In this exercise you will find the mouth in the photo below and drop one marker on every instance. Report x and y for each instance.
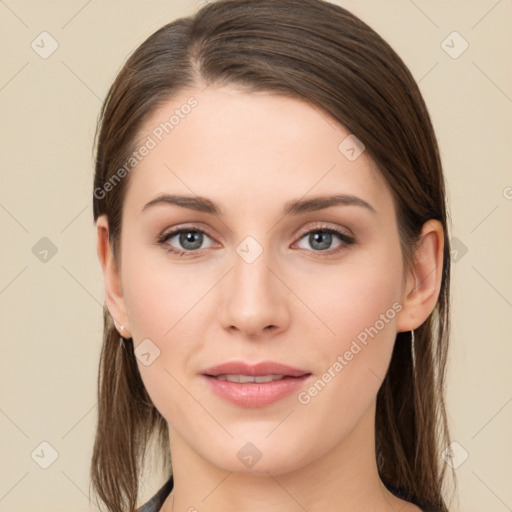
(263, 369)
(257, 385)
(249, 378)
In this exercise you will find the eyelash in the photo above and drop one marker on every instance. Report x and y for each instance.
(162, 240)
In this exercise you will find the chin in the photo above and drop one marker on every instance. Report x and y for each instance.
(260, 457)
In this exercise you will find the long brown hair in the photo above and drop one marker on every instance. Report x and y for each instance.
(319, 52)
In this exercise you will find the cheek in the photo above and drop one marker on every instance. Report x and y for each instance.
(357, 294)
(162, 302)
(159, 295)
(160, 310)
(352, 360)
(358, 310)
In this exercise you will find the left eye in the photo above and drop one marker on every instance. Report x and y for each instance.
(321, 239)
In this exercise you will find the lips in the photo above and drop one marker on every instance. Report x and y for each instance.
(257, 385)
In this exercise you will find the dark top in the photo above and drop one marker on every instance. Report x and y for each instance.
(156, 502)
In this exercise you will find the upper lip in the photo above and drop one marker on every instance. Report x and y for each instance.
(254, 370)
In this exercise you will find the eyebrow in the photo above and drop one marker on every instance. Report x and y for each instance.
(294, 207)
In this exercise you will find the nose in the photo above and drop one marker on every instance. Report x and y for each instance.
(255, 299)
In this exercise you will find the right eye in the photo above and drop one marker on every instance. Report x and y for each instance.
(188, 238)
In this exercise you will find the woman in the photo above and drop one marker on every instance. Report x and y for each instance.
(272, 228)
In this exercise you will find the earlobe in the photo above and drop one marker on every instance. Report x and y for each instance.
(422, 288)
(112, 278)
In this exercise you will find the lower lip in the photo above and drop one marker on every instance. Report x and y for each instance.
(255, 394)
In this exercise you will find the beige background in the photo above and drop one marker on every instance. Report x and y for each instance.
(51, 311)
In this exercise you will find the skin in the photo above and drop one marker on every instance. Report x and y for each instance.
(296, 303)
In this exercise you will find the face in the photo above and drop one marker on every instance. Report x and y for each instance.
(261, 279)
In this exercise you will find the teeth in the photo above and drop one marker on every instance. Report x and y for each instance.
(249, 378)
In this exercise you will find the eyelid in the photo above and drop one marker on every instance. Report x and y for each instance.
(199, 227)
(168, 233)
(326, 226)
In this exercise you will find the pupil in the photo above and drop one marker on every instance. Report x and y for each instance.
(319, 236)
(190, 237)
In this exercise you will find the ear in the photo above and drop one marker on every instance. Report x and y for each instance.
(112, 278)
(423, 284)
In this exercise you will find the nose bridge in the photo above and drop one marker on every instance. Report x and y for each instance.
(255, 299)
(252, 276)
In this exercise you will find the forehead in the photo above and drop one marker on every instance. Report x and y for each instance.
(255, 148)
